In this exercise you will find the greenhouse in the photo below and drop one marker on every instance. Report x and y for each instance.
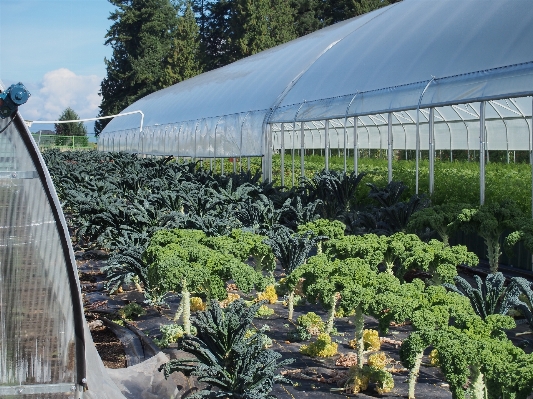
(411, 76)
(46, 349)
(42, 347)
(418, 75)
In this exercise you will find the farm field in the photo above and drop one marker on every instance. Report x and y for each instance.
(353, 295)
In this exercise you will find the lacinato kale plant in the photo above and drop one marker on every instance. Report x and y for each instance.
(231, 363)
(291, 251)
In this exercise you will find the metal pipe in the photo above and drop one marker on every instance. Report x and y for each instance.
(98, 118)
(345, 142)
(282, 158)
(302, 144)
(482, 146)
(354, 134)
(355, 145)
(431, 150)
(326, 145)
(267, 151)
(302, 149)
(417, 151)
(292, 151)
(195, 134)
(389, 145)
(215, 148)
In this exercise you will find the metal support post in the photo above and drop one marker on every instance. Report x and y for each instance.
(389, 145)
(417, 149)
(482, 147)
(417, 152)
(326, 143)
(531, 154)
(282, 160)
(355, 146)
(293, 150)
(531, 163)
(302, 149)
(431, 150)
(345, 142)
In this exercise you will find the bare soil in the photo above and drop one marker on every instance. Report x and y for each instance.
(109, 347)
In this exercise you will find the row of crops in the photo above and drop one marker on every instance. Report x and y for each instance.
(456, 181)
(355, 245)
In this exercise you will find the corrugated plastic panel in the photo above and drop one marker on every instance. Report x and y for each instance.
(39, 345)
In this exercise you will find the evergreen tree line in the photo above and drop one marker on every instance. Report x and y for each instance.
(158, 43)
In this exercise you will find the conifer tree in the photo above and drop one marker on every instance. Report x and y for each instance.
(184, 60)
(306, 16)
(141, 36)
(261, 24)
(235, 29)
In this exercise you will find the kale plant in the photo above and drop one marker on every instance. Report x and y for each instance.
(236, 365)
(488, 297)
(335, 190)
(291, 250)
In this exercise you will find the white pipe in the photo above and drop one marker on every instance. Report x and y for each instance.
(98, 118)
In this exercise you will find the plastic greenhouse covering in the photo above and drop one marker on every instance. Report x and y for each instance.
(41, 320)
(46, 348)
(42, 329)
(405, 59)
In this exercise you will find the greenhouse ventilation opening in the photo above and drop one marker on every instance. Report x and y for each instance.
(46, 350)
(416, 75)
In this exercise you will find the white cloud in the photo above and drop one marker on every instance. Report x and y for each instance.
(60, 89)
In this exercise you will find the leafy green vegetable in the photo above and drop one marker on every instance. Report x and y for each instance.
(227, 357)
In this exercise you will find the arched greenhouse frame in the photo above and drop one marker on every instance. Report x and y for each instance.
(416, 75)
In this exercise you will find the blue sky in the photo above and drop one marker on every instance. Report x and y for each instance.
(56, 48)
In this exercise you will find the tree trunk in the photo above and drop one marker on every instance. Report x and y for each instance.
(413, 374)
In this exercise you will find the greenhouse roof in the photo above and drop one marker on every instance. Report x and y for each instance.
(411, 53)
